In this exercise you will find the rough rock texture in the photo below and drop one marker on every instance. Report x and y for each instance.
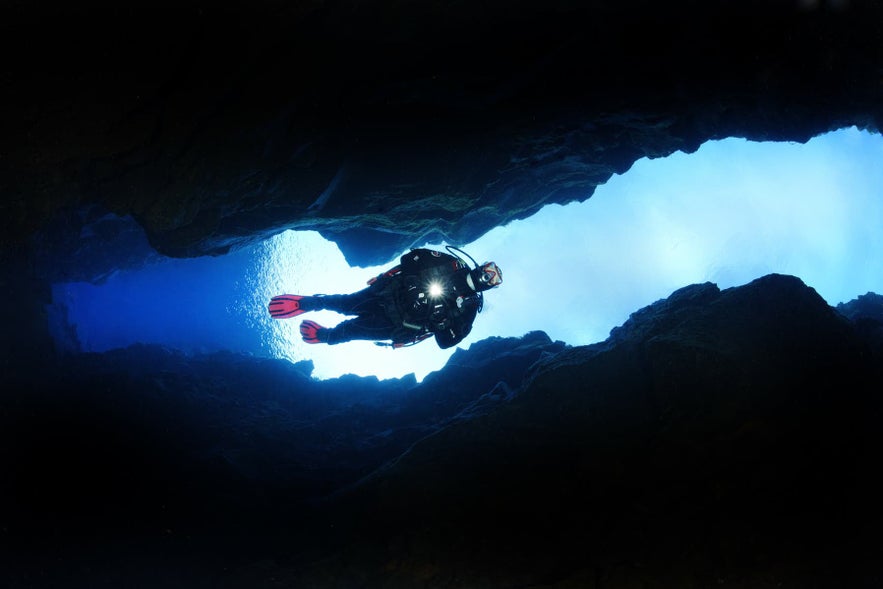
(385, 124)
(716, 438)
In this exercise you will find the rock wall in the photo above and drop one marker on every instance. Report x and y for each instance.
(386, 124)
(717, 437)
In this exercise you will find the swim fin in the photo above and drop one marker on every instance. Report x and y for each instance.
(286, 306)
(313, 333)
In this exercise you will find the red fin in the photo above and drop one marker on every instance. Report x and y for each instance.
(285, 306)
(310, 331)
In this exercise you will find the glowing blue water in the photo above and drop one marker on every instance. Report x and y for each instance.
(729, 213)
(195, 305)
(210, 304)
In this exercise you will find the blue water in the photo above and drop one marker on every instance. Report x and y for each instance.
(729, 213)
(195, 305)
(211, 304)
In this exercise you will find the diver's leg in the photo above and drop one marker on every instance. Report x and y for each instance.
(346, 304)
(363, 327)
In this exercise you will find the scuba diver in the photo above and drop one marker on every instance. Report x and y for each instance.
(430, 293)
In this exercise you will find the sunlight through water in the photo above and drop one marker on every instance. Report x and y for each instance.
(731, 212)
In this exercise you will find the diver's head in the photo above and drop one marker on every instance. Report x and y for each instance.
(485, 277)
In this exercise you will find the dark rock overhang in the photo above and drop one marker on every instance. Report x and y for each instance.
(383, 125)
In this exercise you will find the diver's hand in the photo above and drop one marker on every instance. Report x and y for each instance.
(416, 297)
(438, 319)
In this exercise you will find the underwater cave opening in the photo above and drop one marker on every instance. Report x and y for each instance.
(731, 212)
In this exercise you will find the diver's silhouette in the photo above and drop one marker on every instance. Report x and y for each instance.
(428, 293)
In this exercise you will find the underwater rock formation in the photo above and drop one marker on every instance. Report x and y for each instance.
(716, 436)
(386, 125)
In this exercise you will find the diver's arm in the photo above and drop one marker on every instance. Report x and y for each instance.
(452, 330)
(449, 338)
(381, 279)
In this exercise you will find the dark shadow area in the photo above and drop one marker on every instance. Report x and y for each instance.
(718, 437)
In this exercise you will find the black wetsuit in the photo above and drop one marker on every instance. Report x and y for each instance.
(400, 305)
